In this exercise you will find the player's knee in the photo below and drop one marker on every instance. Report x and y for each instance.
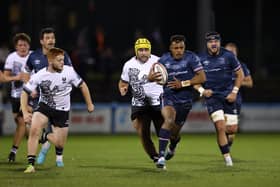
(34, 132)
(169, 121)
(18, 119)
(217, 116)
(231, 129)
(137, 125)
(220, 128)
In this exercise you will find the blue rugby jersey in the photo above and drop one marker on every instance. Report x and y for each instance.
(37, 60)
(219, 71)
(183, 69)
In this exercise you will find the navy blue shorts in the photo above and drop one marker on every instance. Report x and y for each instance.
(218, 103)
(182, 110)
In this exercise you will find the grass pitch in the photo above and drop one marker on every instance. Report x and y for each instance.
(119, 161)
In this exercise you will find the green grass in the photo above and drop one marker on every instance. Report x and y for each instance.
(119, 161)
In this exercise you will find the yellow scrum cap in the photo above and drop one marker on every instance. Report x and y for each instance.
(142, 43)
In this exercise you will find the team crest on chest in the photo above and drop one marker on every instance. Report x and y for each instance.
(63, 80)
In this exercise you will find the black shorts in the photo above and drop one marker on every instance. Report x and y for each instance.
(153, 111)
(15, 104)
(57, 118)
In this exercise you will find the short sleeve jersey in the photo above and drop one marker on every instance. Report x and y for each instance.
(183, 69)
(55, 87)
(136, 74)
(219, 71)
(15, 64)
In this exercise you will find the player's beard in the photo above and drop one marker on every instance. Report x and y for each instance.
(143, 58)
(214, 50)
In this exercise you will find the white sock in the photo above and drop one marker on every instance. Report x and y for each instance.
(59, 157)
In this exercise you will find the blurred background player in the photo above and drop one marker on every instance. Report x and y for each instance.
(231, 130)
(37, 61)
(55, 83)
(145, 103)
(13, 70)
(220, 90)
(184, 69)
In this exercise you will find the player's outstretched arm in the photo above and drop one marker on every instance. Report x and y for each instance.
(87, 97)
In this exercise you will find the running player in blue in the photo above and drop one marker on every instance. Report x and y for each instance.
(184, 70)
(231, 129)
(220, 90)
(37, 61)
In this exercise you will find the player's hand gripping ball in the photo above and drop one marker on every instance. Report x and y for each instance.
(162, 70)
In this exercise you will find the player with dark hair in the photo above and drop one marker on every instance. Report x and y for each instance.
(231, 129)
(220, 90)
(145, 103)
(37, 61)
(13, 69)
(184, 70)
(55, 83)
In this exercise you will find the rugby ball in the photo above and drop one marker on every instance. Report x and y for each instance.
(158, 67)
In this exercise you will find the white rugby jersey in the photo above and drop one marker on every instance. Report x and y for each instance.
(54, 87)
(16, 64)
(136, 74)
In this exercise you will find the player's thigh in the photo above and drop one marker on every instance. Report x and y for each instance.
(140, 117)
(182, 112)
(39, 120)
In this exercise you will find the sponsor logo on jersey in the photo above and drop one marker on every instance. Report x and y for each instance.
(37, 61)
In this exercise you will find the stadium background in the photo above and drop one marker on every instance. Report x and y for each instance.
(99, 36)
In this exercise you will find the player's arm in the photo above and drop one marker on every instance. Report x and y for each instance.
(123, 87)
(154, 76)
(25, 77)
(2, 77)
(202, 91)
(247, 82)
(86, 94)
(8, 77)
(24, 107)
(198, 78)
(239, 78)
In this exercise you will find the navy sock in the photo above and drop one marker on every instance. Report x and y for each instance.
(224, 149)
(173, 143)
(164, 136)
